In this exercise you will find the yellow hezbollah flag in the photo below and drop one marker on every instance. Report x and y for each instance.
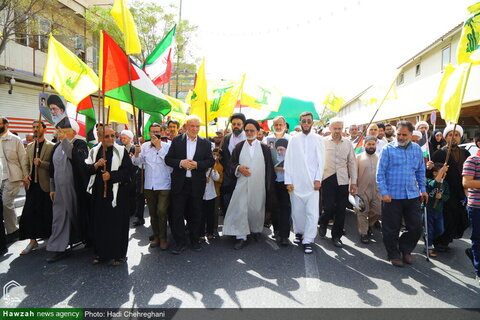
(261, 97)
(332, 102)
(69, 75)
(224, 98)
(117, 110)
(469, 44)
(199, 99)
(451, 90)
(179, 108)
(124, 20)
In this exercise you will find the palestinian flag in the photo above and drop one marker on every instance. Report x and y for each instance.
(359, 146)
(86, 108)
(116, 80)
(158, 65)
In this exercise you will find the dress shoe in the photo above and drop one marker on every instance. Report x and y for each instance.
(337, 243)
(322, 231)
(298, 238)
(239, 244)
(397, 262)
(57, 256)
(179, 248)
(139, 222)
(364, 238)
(12, 237)
(407, 258)
(284, 241)
(163, 244)
(196, 247)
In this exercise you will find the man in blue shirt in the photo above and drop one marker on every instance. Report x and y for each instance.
(401, 180)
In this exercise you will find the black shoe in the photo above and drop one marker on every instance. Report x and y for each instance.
(337, 243)
(284, 241)
(370, 232)
(298, 238)
(12, 237)
(307, 248)
(179, 248)
(239, 244)
(196, 247)
(364, 238)
(57, 256)
(322, 231)
(139, 222)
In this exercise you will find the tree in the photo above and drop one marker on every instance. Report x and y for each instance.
(20, 19)
(153, 22)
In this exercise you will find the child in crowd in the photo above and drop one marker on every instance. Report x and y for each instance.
(209, 222)
(438, 193)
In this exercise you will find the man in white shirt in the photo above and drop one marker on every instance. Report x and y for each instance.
(157, 184)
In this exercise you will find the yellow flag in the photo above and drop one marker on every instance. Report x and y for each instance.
(468, 47)
(118, 110)
(199, 98)
(333, 102)
(179, 108)
(69, 75)
(123, 17)
(259, 96)
(451, 91)
(385, 89)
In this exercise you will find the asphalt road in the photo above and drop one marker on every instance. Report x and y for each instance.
(261, 275)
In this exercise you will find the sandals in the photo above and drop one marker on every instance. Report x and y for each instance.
(29, 248)
(118, 262)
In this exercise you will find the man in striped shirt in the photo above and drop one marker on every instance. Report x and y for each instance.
(401, 180)
(471, 180)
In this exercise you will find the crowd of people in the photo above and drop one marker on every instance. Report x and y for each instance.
(401, 180)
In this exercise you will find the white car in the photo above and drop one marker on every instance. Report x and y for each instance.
(470, 147)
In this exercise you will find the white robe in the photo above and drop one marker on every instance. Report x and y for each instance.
(304, 163)
(246, 212)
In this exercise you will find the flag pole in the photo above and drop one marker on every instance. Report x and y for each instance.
(37, 144)
(206, 121)
(376, 111)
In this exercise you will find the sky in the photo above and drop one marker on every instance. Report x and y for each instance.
(308, 47)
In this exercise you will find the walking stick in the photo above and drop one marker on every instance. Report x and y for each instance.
(449, 151)
(426, 231)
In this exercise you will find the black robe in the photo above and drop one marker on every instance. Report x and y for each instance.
(111, 225)
(454, 210)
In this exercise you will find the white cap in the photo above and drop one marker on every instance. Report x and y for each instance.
(74, 125)
(450, 128)
(128, 133)
(419, 123)
(417, 133)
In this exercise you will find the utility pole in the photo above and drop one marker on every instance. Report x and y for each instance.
(178, 60)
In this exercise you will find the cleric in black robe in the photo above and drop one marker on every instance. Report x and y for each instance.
(110, 215)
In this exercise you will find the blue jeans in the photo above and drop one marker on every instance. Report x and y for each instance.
(435, 225)
(474, 215)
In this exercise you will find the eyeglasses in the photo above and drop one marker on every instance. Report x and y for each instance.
(109, 136)
(250, 130)
(307, 121)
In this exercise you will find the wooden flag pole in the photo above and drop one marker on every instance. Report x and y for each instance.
(206, 121)
(37, 144)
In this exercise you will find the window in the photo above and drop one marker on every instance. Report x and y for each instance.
(418, 70)
(400, 79)
(445, 56)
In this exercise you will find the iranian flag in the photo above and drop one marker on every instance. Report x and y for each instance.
(158, 65)
(116, 80)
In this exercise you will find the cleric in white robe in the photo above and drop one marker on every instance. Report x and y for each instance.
(253, 167)
(304, 162)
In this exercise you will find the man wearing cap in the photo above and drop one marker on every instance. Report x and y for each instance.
(367, 189)
(68, 190)
(253, 167)
(454, 213)
(416, 136)
(237, 120)
(12, 155)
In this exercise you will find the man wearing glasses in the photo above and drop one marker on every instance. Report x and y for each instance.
(304, 163)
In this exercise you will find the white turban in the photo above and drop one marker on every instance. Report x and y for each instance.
(450, 128)
(419, 123)
(74, 125)
(417, 133)
(128, 133)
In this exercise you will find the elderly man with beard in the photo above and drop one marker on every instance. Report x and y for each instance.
(109, 167)
(354, 135)
(367, 189)
(237, 121)
(454, 213)
(373, 131)
(253, 167)
(401, 180)
(340, 172)
(279, 129)
(304, 166)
